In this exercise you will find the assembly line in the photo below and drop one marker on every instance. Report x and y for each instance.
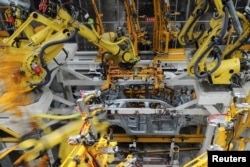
(135, 100)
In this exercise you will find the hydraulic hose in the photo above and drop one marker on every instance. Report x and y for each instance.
(47, 77)
(214, 42)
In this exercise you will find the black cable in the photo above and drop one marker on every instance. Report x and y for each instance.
(59, 64)
(67, 55)
(44, 64)
(17, 40)
(103, 54)
(206, 74)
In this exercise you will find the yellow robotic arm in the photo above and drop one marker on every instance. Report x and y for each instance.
(220, 68)
(245, 20)
(197, 65)
(207, 62)
(187, 35)
(44, 44)
(230, 128)
(234, 59)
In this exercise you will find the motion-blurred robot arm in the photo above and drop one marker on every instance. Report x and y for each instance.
(82, 142)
